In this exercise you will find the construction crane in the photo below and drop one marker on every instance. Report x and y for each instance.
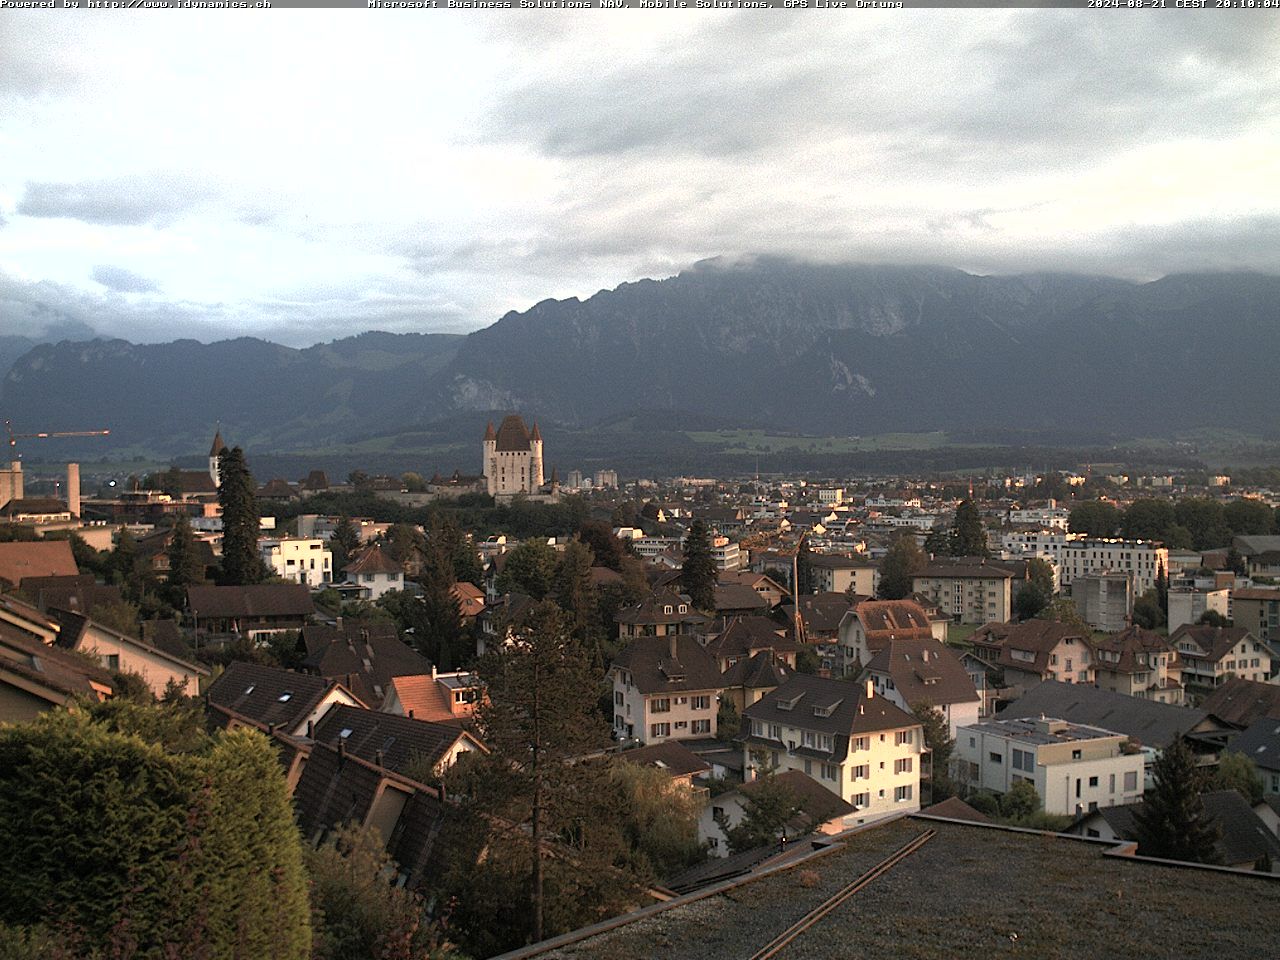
(12, 471)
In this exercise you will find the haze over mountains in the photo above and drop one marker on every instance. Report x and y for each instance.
(776, 344)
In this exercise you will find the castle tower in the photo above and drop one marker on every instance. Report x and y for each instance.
(214, 452)
(488, 448)
(535, 466)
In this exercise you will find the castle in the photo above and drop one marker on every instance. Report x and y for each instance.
(512, 463)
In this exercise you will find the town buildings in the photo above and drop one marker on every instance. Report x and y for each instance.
(664, 688)
(301, 560)
(968, 592)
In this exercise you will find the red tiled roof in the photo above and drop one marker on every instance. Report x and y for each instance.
(513, 435)
(42, 558)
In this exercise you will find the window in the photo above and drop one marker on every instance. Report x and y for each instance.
(810, 738)
(901, 793)
(1076, 754)
(902, 766)
(830, 771)
(660, 730)
(904, 736)
(112, 662)
(1093, 781)
(775, 731)
(862, 772)
(808, 768)
(996, 758)
(617, 697)
(862, 800)
(1131, 780)
(660, 705)
(701, 703)
(701, 726)
(861, 743)
(1111, 784)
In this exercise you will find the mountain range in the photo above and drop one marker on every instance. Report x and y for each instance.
(767, 343)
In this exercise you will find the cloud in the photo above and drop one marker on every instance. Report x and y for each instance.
(122, 280)
(122, 201)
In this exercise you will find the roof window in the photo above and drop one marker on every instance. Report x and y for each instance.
(285, 697)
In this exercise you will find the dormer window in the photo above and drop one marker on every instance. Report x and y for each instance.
(667, 608)
(789, 704)
(684, 608)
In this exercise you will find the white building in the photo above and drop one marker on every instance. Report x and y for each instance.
(1050, 516)
(1076, 555)
(726, 553)
(1104, 599)
(1074, 768)
(375, 573)
(304, 560)
(1189, 604)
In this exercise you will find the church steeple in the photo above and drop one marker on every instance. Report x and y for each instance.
(214, 452)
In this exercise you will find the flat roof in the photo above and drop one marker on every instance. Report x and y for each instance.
(973, 890)
(1027, 730)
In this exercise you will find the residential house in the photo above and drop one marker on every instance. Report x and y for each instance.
(1241, 703)
(748, 680)
(254, 611)
(1260, 742)
(375, 572)
(1139, 663)
(832, 573)
(1261, 555)
(364, 656)
(118, 651)
(743, 637)
(868, 626)
(734, 599)
(305, 560)
(1244, 839)
(415, 748)
(967, 592)
(79, 594)
(772, 591)
(1072, 767)
(35, 677)
(663, 613)
(502, 615)
(820, 615)
(271, 698)
(673, 758)
(982, 675)
(820, 811)
(1212, 655)
(471, 600)
(664, 688)
(911, 672)
(1258, 611)
(856, 744)
(1035, 650)
(438, 697)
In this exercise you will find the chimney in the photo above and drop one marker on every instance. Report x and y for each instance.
(410, 714)
(871, 689)
(675, 655)
(311, 729)
(433, 671)
(73, 488)
(337, 622)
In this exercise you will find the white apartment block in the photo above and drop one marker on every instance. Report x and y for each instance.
(1074, 768)
(1051, 517)
(304, 560)
(1076, 555)
(726, 553)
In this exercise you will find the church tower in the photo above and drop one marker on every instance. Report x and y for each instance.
(214, 451)
(535, 466)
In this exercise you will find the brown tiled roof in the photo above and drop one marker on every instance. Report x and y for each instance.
(883, 620)
(925, 670)
(166, 635)
(831, 561)
(602, 575)
(669, 756)
(817, 803)
(62, 673)
(1128, 644)
(256, 600)
(843, 710)
(77, 593)
(953, 808)
(744, 636)
(268, 695)
(821, 613)
(470, 598)
(1241, 702)
(74, 626)
(1217, 642)
(425, 697)
(513, 435)
(738, 596)
(374, 560)
(1040, 637)
(196, 481)
(1257, 593)
(950, 570)
(35, 506)
(652, 610)
(40, 558)
(763, 671)
(399, 740)
(365, 657)
(653, 670)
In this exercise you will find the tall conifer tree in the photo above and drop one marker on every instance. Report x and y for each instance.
(699, 569)
(237, 495)
(1172, 823)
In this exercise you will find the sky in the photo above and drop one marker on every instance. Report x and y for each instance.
(303, 175)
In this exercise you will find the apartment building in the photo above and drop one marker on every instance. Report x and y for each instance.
(853, 741)
(1076, 555)
(1026, 653)
(664, 688)
(1074, 768)
(1257, 610)
(1139, 663)
(304, 560)
(1104, 599)
(1211, 655)
(835, 574)
(968, 592)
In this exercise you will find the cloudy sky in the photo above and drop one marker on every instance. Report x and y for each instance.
(308, 174)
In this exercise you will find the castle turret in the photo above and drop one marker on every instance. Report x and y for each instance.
(488, 448)
(535, 466)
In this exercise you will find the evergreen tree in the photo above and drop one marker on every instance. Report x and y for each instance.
(968, 538)
(901, 563)
(126, 567)
(531, 789)
(439, 634)
(1172, 823)
(938, 740)
(767, 807)
(529, 568)
(343, 543)
(938, 543)
(605, 547)
(804, 568)
(698, 573)
(185, 566)
(241, 563)
(576, 595)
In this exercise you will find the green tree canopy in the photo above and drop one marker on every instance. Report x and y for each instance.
(1096, 518)
(901, 563)
(766, 809)
(343, 543)
(698, 573)
(185, 566)
(968, 537)
(237, 495)
(529, 568)
(1238, 772)
(1172, 823)
(1147, 519)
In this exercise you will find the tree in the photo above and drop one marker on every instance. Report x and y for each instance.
(241, 563)
(531, 792)
(1172, 823)
(359, 913)
(940, 743)
(576, 595)
(163, 853)
(185, 566)
(768, 805)
(1030, 601)
(1147, 519)
(405, 544)
(1020, 802)
(1147, 612)
(938, 542)
(413, 482)
(1213, 618)
(437, 615)
(1063, 610)
(1238, 772)
(1205, 519)
(605, 547)
(698, 573)
(659, 820)
(804, 569)
(1246, 517)
(343, 543)
(1236, 563)
(529, 568)
(968, 538)
(901, 563)
(127, 568)
(1095, 518)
